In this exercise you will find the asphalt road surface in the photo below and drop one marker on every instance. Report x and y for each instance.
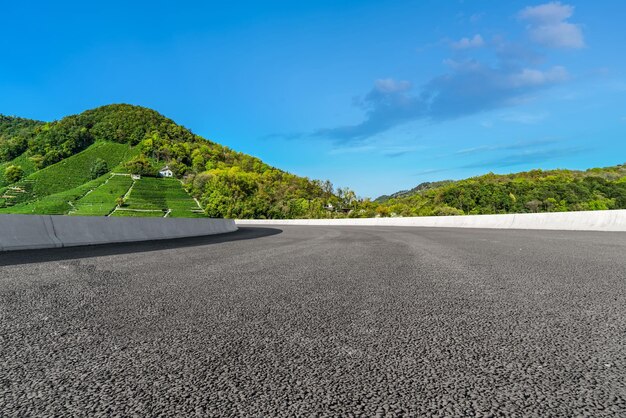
(319, 321)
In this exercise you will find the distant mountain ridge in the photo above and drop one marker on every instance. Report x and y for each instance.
(420, 187)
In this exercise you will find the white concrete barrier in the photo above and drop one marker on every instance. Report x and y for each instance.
(19, 232)
(605, 220)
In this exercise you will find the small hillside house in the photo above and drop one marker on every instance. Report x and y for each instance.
(166, 172)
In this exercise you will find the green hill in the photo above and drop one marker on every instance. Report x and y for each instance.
(82, 165)
(532, 191)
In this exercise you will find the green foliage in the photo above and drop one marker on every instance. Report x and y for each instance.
(15, 134)
(533, 191)
(13, 173)
(140, 165)
(54, 204)
(99, 168)
(65, 175)
(23, 161)
(55, 141)
(228, 183)
(103, 199)
(235, 193)
(74, 171)
(383, 211)
(158, 195)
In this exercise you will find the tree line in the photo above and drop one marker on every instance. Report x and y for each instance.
(236, 185)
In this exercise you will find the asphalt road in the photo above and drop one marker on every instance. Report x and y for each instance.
(319, 321)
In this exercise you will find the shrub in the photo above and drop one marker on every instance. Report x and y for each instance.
(13, 173)
(99, 168)
(140, 165)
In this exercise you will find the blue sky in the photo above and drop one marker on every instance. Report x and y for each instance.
(375, 95)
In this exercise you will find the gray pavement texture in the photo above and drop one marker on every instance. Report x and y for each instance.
(319, 321)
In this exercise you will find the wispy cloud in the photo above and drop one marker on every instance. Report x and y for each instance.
(525, 158)
(524, 118)
(469, 86)
(519, 153)
(521, 145)
(473, 18)
(388, 104)
(431, 171)
(476, 41)
(473, 86)
(287, 135)
(390, 151)
(548, 25)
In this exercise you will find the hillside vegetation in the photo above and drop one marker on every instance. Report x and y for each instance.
(532, 191)
(66, 167)
(82, 165)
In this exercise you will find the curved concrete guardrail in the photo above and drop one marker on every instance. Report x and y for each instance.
(605, 220)
(19, 232)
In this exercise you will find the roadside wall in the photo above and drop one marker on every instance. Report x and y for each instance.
(19, 232)
(606, 220)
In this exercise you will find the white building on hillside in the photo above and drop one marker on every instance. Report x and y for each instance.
(166, 172)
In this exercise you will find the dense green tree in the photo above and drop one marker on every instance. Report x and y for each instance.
(99, 168)
(140, 165)
(13, 173)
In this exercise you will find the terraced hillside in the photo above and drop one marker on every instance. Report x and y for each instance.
(82, 165)
(158, 197)
(66, 188)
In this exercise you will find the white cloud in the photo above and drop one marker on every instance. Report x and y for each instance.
(548, 25)
(389, 85)
(534, 78)
(524, 118)
(554, 12)
(387, 151)
(559, 35)
(467, 43)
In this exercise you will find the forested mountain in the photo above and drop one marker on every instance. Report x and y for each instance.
(82, 165)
